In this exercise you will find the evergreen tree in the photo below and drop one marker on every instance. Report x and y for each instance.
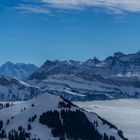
(29, 127)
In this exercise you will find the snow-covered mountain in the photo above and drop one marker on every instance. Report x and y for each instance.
(92, 79)
(19, 70)
(12, 89)
(120, 64)
(76, 88)
(54, 118)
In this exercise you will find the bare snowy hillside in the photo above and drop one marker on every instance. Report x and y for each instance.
(52, 117)
(12, 89)
(73, 88)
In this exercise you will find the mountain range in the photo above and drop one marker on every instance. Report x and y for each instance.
(113, 78)
(19, 70)
(38, 107)
(119, 65)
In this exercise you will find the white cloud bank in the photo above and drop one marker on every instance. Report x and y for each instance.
(129, 5)
(113, 5)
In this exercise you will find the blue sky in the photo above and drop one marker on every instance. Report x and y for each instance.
(33, 31)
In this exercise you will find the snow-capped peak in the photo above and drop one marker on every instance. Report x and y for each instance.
(19, 70)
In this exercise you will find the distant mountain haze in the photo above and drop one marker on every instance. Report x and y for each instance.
(19, 70)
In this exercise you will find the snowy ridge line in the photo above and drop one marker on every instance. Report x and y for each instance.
(28, 118)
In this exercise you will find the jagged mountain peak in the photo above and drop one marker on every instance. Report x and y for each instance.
(52, 63)
(93, 61)
(111, 78)
(8, 63)
(119, 64)
(138, 52)
(119, 54)
(19, 70)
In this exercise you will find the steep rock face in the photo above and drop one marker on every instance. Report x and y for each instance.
(92, 62)
(19, 70)
(52, 117)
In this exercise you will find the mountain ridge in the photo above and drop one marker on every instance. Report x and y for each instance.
(18, 70)
(111, 78)
(13, 89)
(51, 117)
(119, 64)
(82, 81)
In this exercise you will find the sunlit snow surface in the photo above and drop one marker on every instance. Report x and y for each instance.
(124, 113)
(20, 113)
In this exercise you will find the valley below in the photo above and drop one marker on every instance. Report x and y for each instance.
(124, 113)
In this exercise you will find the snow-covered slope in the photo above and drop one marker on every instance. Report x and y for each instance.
(124, 113)
(52, 117)
(19, 70)
(12, 89)
(75, 88)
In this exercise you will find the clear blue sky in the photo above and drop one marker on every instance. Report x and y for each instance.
(33, 32)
